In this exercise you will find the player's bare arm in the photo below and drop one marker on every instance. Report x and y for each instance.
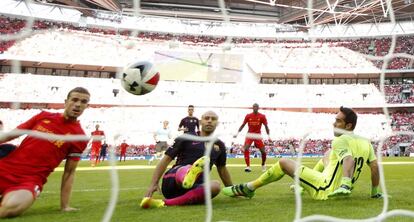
(67, 183)
(159, 170)
(240, 129)
(267, 131)
(348, 166)
(375, 191)
(374, 173)
(224, 175)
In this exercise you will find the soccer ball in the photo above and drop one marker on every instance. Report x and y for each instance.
(140, 78)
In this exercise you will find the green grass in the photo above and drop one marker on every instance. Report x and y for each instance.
(272, 203)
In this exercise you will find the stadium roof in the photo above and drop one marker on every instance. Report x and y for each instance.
(274, 11)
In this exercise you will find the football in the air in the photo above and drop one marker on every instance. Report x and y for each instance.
(140, 78)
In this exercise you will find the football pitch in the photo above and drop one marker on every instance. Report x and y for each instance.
(274, 202)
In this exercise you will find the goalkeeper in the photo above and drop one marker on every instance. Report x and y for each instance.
(334, 175)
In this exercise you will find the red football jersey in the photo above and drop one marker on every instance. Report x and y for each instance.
(97, 143)
(123, 147)
(254, 122)
(35, 158)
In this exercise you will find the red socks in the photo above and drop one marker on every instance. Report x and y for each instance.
(247, 157)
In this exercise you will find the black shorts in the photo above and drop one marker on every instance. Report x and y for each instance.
(170, 188)
(5, 149)
(161, 146)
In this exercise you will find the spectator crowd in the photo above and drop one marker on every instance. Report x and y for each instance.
(368, 46)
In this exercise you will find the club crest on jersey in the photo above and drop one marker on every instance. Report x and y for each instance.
(216, 147)
(342, 153)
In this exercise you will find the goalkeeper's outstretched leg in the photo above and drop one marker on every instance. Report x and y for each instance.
(335, 176)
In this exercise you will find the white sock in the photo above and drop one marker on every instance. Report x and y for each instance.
(250, 186)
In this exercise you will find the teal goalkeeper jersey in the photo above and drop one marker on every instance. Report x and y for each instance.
(361, 151)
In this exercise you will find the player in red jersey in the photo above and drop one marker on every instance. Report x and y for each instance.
(254, 121)
(25, 170)
(123, 148)
(96, 145)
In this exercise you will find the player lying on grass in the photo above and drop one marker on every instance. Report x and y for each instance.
(183, 184)
(334, 175)
(24, 171)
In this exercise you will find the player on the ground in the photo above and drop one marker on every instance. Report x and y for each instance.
(189, 123)
(183, 183)
(161, 137)
(254, 122)
(123, 149)
(96, 145)
(335, 175)
(24, 172)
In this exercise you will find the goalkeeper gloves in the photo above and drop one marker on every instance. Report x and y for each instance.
(344, 189)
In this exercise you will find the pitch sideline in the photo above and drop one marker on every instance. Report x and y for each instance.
(144, 167)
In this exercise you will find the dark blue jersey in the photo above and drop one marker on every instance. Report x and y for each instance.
(187, 152)
(189, 122)
(104, 147)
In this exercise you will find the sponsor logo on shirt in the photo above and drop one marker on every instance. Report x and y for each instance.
(57, 143)
(254, 121)
(42, 129)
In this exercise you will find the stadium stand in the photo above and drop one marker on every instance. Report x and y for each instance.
(98, 43)
(378, 47)
(288, 127)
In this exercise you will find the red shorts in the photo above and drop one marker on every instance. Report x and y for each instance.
(257, 143)
(7, 185)
(95, 151)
